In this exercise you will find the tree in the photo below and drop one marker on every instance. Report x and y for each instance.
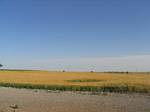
(63, 71)
(1, 65)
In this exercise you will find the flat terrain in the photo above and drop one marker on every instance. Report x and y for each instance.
(132, 82)
(83, 92)
(45, 101)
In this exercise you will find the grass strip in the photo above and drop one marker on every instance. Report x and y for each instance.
(85, 80)
(111, 88)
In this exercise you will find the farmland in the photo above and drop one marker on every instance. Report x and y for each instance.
(77, 81)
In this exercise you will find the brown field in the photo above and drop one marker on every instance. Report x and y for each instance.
(140, 81)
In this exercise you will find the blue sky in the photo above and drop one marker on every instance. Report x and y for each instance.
(33, 32)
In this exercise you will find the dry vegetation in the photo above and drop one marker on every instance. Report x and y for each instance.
(84, 81)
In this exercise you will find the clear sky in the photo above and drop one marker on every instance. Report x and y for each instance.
(75, 34)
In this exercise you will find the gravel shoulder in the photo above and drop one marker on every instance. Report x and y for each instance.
(24, 100)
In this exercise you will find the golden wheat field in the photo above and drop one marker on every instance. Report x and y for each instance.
(140, 80)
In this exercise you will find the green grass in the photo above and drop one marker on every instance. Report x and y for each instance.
(111, 88)
(85, 80)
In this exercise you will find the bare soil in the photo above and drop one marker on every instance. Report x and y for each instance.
(49, 101)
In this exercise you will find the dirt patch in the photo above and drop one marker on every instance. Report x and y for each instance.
(49, 101)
